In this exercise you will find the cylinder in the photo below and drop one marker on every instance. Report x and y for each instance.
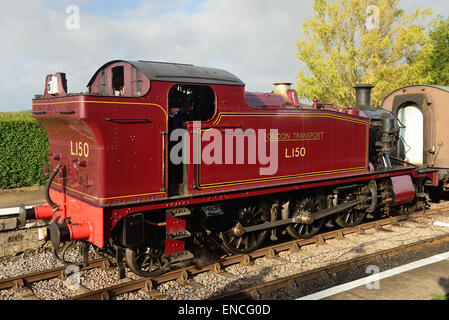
(387, 123)
(363, 95)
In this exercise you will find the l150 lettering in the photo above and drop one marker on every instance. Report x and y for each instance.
(79, 149)
(295, 152)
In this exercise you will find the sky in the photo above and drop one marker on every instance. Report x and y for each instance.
(253, 39)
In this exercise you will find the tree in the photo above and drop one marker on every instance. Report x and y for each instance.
(348, 42)
(438, 63)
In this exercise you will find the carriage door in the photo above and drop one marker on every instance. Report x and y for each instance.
(412, 136)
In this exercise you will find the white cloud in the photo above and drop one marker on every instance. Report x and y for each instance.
(255, 40)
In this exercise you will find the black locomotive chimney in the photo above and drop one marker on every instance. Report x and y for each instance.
(363, 95)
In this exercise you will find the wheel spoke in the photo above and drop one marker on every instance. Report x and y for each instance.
(245, 242)
(145, 261)
(350, 219)
(252, 237)
(246, 216)
(140, 255)
(239, 241)
(306, 205)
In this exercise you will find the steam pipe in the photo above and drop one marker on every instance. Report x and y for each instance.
(47, 188)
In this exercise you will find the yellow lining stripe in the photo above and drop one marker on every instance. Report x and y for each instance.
(128, 196)
(318, 173)
(108, 102)
(291, 114)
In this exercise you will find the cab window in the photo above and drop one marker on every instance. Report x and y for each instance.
(118, 81)
(191, 103)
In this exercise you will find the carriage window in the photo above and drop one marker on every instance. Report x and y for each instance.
(138, 82)
(103, 83)
(412, 136)
(191, 103)
(118, 82)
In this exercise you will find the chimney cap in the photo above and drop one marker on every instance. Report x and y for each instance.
(366, 85)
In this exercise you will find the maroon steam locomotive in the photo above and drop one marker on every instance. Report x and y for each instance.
(160, 158)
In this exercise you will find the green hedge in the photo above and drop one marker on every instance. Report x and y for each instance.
(23, 150)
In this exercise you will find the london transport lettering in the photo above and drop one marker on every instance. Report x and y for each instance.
(295, 136)
(292, 152)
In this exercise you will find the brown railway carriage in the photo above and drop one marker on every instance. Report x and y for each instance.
(254, 163)
(422, 109)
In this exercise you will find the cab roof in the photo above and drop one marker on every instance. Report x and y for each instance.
(178, 72)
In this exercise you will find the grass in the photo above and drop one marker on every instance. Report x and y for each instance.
(439, 296)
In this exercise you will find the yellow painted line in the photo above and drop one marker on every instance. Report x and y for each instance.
(318, 173)
(117, 197)
(50, 103)
(108, 102)
(300, 115)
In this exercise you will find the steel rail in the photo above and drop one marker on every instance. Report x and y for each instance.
(21, 281)
(148, 283)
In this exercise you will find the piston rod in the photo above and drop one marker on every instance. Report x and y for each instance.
(239, 230)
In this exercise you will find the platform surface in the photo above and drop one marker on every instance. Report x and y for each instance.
(27, 196)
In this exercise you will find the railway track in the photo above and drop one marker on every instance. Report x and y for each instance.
(21, 284)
